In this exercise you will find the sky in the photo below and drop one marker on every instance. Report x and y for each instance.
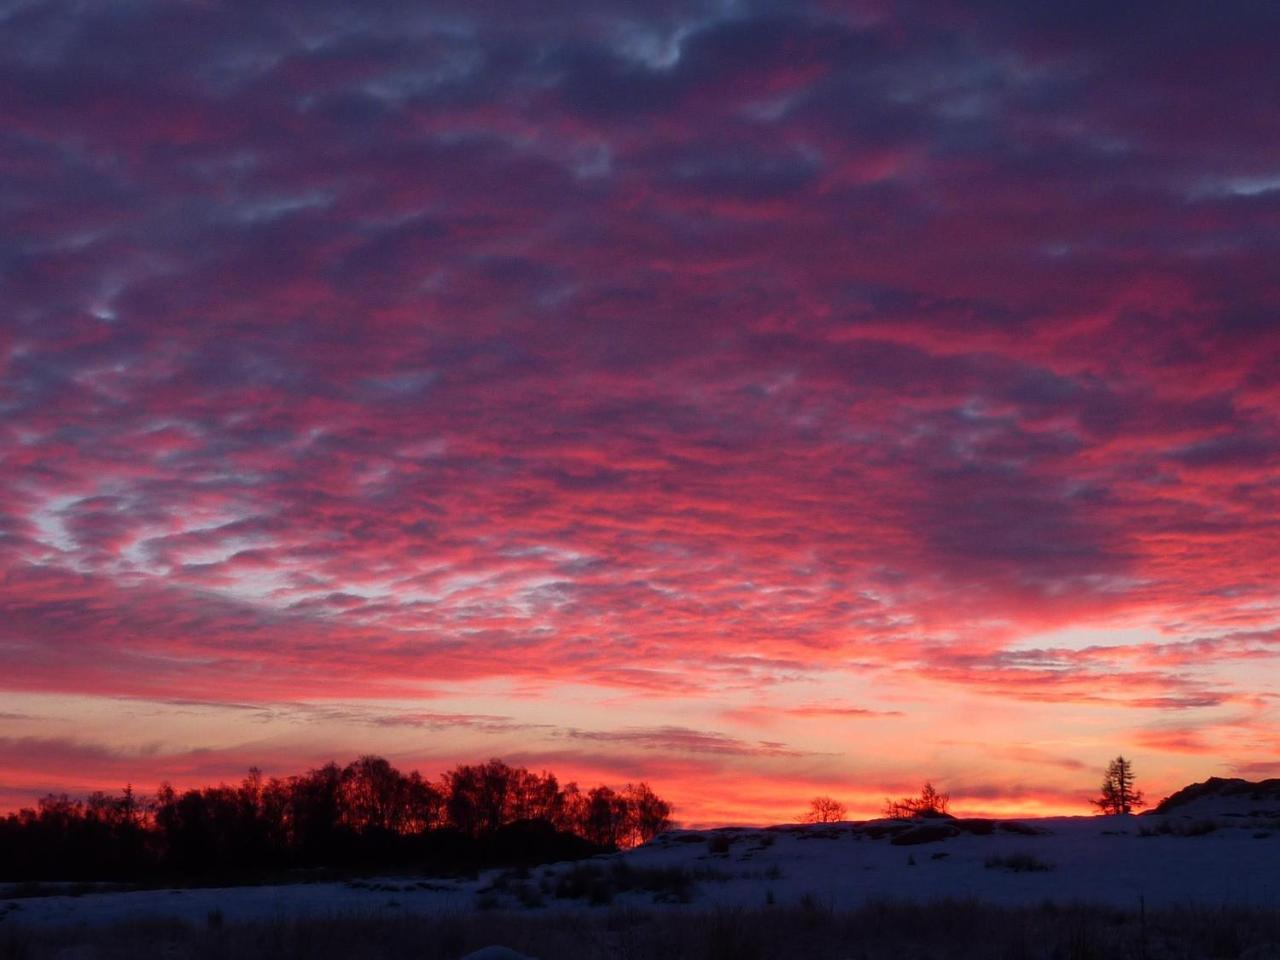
(760, 400)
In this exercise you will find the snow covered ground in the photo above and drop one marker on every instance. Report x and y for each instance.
(1193, 856)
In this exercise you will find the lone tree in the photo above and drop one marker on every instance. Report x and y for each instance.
(824, 810)
(930, 803)
(1118, 794)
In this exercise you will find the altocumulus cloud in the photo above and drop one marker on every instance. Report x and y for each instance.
(668, 350)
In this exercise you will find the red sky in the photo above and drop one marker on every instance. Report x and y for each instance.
(760, 400)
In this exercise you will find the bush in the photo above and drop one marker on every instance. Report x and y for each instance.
(930, 803)
(599, 885)
(1175, 828)
(1018, 863)
(1022, 829)
(824, 810)
(926, 833)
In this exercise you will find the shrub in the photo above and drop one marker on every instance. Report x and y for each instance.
(930, 803)
(824, 810)
(597, 885)
(1198, 828)
(1018, 863)
(1193, 828)
(1022, 829)
(927, 833)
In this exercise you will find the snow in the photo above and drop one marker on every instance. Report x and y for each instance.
(1105, 860)
(1239, 806)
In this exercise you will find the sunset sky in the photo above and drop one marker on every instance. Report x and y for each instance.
(757, 399)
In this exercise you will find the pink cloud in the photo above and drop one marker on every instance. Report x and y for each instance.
(677, 359)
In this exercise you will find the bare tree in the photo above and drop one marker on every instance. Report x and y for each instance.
(930, 803)
(824, 810)
(1118, 794)
(650, 815)
(606, 817)
(366, 814)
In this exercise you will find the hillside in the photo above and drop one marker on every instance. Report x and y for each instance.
(1158, 859)
(1225, 797)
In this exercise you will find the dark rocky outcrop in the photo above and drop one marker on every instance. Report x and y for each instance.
(1263, 792)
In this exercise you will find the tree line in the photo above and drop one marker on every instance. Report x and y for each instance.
(930, 803)
(365, 815)
(1117, 796)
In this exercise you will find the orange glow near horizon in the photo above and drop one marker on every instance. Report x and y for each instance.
(759, 766)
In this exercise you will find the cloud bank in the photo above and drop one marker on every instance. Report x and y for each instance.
(657, 372)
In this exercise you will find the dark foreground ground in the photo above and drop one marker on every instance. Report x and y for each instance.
(953, 930)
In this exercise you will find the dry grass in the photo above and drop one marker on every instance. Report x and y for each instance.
(951, 930)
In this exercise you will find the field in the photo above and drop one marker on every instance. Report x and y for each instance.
(956, 930)
(1185, 885)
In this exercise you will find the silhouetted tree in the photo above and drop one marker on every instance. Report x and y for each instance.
(315, 813)
(532, 797)
(648, 814)
(930, 803)
(1118, 794)
(824, 810)
(374, 795)
(424, 805)
(365, 815)
(478, 796)
(606, 817)
(572, 813)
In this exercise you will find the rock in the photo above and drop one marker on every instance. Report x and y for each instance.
(1262, 791)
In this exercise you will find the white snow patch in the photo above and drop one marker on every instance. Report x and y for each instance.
(1124, 862)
